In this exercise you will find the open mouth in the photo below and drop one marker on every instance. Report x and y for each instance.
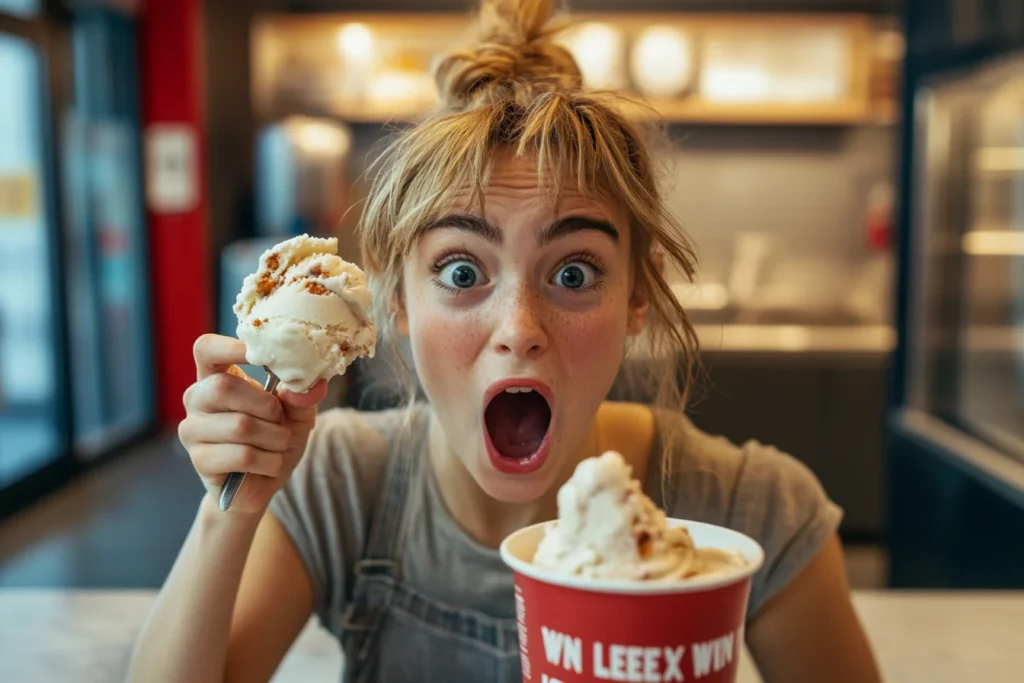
(517, 420)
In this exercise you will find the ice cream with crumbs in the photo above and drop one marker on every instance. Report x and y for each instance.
(305, 313)
(608, 529)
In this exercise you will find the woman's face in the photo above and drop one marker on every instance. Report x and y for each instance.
(518, 318)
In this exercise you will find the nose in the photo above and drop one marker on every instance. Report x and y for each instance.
(519, 329)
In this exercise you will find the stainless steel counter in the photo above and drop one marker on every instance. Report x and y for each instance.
(873, 340)
(51, 636)
(797, 338)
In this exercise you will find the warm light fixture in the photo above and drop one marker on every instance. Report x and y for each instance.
(792, 66)
(736, 83)
(598, 49)
(999, 159)
(317, 137)
(662, 62)
(993, 243)
(355, 41)
(355, 45)
(706, 296)
(401, 87)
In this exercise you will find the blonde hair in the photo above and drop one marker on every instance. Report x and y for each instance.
(516, 89)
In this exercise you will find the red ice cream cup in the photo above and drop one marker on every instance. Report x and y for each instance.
(576, 630)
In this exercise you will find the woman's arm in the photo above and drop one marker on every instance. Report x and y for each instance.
(238, 593)
(809, 632)
(198, 632)
(275, 601)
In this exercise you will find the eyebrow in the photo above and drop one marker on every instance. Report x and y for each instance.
(572, 224)
(476, 225)
(466, 222)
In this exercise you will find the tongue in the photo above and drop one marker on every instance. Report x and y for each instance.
(517, 423)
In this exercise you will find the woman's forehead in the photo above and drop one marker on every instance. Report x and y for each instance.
(515, 184)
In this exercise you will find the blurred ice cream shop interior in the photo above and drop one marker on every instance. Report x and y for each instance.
(851, 172)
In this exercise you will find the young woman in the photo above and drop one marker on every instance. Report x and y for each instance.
(517, 237)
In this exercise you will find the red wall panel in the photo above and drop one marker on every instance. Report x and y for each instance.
(171, 43)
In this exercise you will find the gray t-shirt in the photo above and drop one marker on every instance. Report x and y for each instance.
(328, 503)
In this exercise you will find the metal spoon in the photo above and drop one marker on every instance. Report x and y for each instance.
(235, 479)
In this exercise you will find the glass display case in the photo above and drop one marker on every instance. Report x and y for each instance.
(967, 328)
(30, 407)
(19, 8)
(107, 270)
(955, 432)
(75, 349)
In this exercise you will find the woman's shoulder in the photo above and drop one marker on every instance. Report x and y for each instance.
(356, 444)
(701, 472)
(753, 488)
(697, 464)
(343, 430)
(343, 469)
(628, 428)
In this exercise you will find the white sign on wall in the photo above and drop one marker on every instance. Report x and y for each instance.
(172, 169)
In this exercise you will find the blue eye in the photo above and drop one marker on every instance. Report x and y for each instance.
(460, 275)
(575, 275)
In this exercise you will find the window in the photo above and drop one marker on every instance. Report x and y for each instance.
(29, 434)
(105, 264)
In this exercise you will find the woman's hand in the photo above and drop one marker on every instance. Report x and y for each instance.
(233, 425)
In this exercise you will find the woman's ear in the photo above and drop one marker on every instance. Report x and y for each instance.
(640, 300)
(639, 303)
(398, 310)
(658, 261)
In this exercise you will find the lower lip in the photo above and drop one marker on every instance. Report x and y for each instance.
(514, 465)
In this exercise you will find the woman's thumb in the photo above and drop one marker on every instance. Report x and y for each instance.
(302, 408)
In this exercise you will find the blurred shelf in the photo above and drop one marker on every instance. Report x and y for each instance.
(879, 339)
(655, 111)
(790, 340)
(379, 72)
(766, 113)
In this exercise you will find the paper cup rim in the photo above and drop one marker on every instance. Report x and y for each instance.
(746, 546)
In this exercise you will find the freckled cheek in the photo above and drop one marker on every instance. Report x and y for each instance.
(591, 343)
(446, 344)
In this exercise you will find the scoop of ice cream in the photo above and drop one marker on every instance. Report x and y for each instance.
(305, 313)
(608, 529)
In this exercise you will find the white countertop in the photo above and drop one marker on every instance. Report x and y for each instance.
(86, 637)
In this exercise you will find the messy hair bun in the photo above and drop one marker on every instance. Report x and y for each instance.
(513, 59)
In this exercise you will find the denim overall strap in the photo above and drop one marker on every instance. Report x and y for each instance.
(378, 571)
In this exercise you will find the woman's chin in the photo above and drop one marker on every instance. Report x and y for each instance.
(514, 488)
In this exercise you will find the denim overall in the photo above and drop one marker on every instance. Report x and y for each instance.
(392, 633)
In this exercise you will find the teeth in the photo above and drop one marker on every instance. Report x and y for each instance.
(519, 390)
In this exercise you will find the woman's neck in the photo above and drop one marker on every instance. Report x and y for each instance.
(486, 520)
